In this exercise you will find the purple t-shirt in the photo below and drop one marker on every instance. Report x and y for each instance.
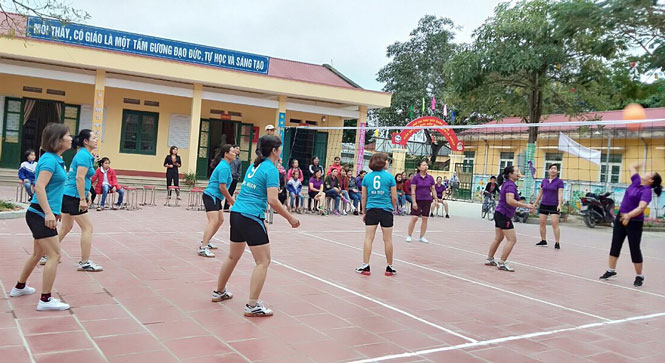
(439, 190)
(551, 191)
(423, 186)
(316, 183)
(635, 194)
(503, 207)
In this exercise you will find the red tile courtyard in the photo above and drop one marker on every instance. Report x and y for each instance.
(152, 301)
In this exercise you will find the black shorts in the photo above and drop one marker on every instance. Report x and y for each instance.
(502, 222)
(212, 204)
(376, 216)
(547, 209)
(423, 210)
(248, 229)
(70, 205)
(36, 224)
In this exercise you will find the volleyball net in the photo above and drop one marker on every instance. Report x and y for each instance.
(591, 156)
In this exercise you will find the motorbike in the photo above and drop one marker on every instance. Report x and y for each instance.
(597, 209)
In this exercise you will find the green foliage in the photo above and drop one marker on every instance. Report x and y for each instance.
(190, 179)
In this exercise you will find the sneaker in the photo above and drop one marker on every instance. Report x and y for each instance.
(42, 261)
(258, 310)
(211, 246)
(355, 212)
(364, 270)
(490, 262)
(556, 246)
(504, 266)
(221, 296)
(52, 304)
(390, 271)
(608, 274)
(343, 212)
(27, 290)
(89, 266)
(447, 216)
(408, 238)
(205, 252)
(542, 243)
(639, 280)
(336, 213)
(423, 240)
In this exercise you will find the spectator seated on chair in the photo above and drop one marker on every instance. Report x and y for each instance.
(354, 191)
(401, 197)
(440, 189)
(344, 186)
(293, 188)
(332, 188)
(26, 173)
(316, 192)
(282, 195)
(107, 182)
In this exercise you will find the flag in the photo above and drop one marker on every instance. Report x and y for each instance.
(452, 116)
(445, 110)
(411, 115)
(571, 146)
(423, 105)
(433, 103)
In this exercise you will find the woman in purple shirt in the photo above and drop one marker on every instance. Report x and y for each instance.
(630, 219)
(424, 195)
(440, 188)
(315, 190)
(550, 197)
(503, 218)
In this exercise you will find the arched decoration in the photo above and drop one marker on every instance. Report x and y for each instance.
(403, 137)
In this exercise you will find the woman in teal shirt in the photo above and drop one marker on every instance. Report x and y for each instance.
(75, 202)
(259, 188)
(42, 216)
(213, 196)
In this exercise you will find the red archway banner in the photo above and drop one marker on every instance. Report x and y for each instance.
(403, 137)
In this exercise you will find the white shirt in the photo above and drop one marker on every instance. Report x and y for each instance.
(106, 177)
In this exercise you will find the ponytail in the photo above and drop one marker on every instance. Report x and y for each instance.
(504, 175)
(79, 140)
(656, 185)
(267, 144)
(220, 155)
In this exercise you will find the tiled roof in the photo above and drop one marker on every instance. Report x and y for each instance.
(306, 72)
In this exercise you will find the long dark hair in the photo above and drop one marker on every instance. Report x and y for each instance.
(656, 185)
(504, 175)
(83, 135)
(218, 158)
(268, 144)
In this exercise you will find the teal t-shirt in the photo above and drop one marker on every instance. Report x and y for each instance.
(84, 159)
(54, 189)
(378, 184)
(252, 200)
(221, 175)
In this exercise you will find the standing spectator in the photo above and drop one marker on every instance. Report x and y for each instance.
(293, 188)
(454, 185)
(401, 197)
(236, 172)
(316, 192)
(282, 194)
(332, 189)
(107, 182)
(172, 163)
(422, 188)
(295, 167)
(359, 183)
(313, 167)
(354, 191)
(551, 192)
(407, 187)
(26, 173)
(336, 165)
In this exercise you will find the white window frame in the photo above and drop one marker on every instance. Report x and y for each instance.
(502, 160)
(552, 161)
(609, 172)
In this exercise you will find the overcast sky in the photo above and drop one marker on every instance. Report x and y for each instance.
(353, 35)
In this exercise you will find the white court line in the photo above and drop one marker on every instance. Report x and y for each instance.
(368, 298)
(508, 339)
(18, 327)
(513, 262)
(470, 280)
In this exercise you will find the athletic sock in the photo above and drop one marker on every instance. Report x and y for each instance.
(46, 297)
(641, 276)
(252, 303)
(610, 270)
(20, 285)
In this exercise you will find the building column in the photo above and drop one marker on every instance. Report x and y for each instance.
(280, 122)
(194, 129)
(359, 154)
(98, 108)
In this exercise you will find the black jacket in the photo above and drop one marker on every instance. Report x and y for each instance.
(169, 161)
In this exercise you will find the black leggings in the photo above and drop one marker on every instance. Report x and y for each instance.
(634, 233)
(172, 179)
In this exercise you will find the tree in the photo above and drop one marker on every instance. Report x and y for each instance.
(416, 71)
(11, 25)
(523, 63)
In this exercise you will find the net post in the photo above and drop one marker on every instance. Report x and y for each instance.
(359, 153)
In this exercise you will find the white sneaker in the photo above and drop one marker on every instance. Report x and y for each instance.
(42, 261)
(343, 212)
(212, 246)
(89, 266)
(423, 240)
(205, 252)
(258, 310)
(52, 304)
(219, 296)
(408, 238)
(490, 262)
(27, 290)
(504, 266)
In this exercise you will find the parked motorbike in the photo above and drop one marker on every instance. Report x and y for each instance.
(597, 209)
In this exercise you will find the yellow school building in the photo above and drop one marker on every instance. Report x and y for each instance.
(143, 94)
